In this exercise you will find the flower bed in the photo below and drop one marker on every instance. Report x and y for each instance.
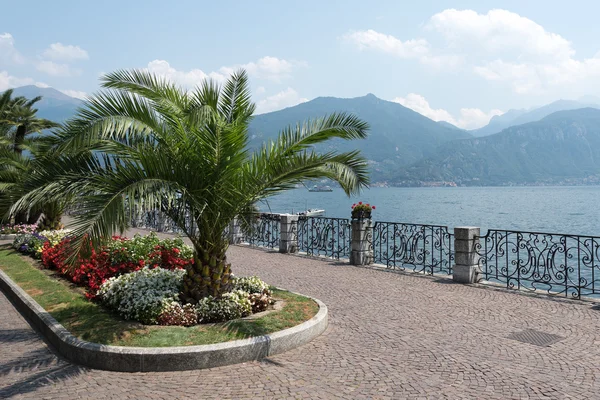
(33, 243)
(90, 320)
(151, 296)
(119, 256)
(141, 278)
(12, 229)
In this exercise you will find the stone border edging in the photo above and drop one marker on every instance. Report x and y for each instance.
(8, 236)
(140, 359)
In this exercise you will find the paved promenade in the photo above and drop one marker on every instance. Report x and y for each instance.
(391, 336)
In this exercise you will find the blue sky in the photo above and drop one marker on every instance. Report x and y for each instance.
(460, 61)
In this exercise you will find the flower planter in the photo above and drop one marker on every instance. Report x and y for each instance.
(361, 215)
(140, 359)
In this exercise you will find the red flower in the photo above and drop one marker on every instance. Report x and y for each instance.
(373, 207)
(360, 202)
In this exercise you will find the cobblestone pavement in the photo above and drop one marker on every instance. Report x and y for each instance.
(391, 336)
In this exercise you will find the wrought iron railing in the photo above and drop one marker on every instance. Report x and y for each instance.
(160, 222)
(420, 248)
(561, 264)
(549, 262)
(261, 230)
(320, 236)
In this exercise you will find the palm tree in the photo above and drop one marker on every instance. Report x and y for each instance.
(18, 121)
(18, 117)
(145, 141)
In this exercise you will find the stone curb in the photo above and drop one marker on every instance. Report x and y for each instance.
(8, 236)
(139, 359)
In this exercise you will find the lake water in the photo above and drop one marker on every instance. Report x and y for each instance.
(571, 210)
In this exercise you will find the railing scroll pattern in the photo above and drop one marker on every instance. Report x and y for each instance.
(262, 230)
(320, 236)
(421, 248)
(559, 264)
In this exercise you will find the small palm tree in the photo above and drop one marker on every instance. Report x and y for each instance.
(18, 120)
(146, 141)
(18, 123)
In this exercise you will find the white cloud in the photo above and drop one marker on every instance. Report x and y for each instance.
(7, 81)
(270, 68)
(286, 98)
(473, 118)
(188, 79)
(418, 49)
(61, 52)
(569, 75)
(510, 48)
(75, 93)
(373, 40)
(418, 103)
(55, 69)
(8, 52)
(499, 31)
(260, 90)
(500, 46)
(470, 118)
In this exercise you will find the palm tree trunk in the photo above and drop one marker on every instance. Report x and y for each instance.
(52, 216)
(209, 275)
(20, 139)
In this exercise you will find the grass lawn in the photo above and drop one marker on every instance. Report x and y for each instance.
(92, 322)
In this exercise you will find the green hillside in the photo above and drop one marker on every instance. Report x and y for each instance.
(398, 136)
(564, 147)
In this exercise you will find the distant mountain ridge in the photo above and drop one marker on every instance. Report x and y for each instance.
(55, 105)
(561, 148)
(399, 136)
(519, 117)
(405, 148)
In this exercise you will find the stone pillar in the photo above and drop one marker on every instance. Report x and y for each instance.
(466, 257)
(361, 250)
(288, 233)
(235, 234)
(160, 221)
(137, 217)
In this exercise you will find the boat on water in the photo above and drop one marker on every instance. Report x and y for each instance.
(317, 188)
(312, 212)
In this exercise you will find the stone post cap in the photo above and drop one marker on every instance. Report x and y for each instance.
(466, 232)
(286, 218)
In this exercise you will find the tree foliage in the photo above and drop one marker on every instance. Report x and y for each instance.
(144, 142)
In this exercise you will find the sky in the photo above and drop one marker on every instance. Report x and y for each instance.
(457, 61)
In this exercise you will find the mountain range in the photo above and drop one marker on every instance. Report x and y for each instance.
(398, 136)
(555, 144)
(519, 117)
(55, 105)
(562, 148)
